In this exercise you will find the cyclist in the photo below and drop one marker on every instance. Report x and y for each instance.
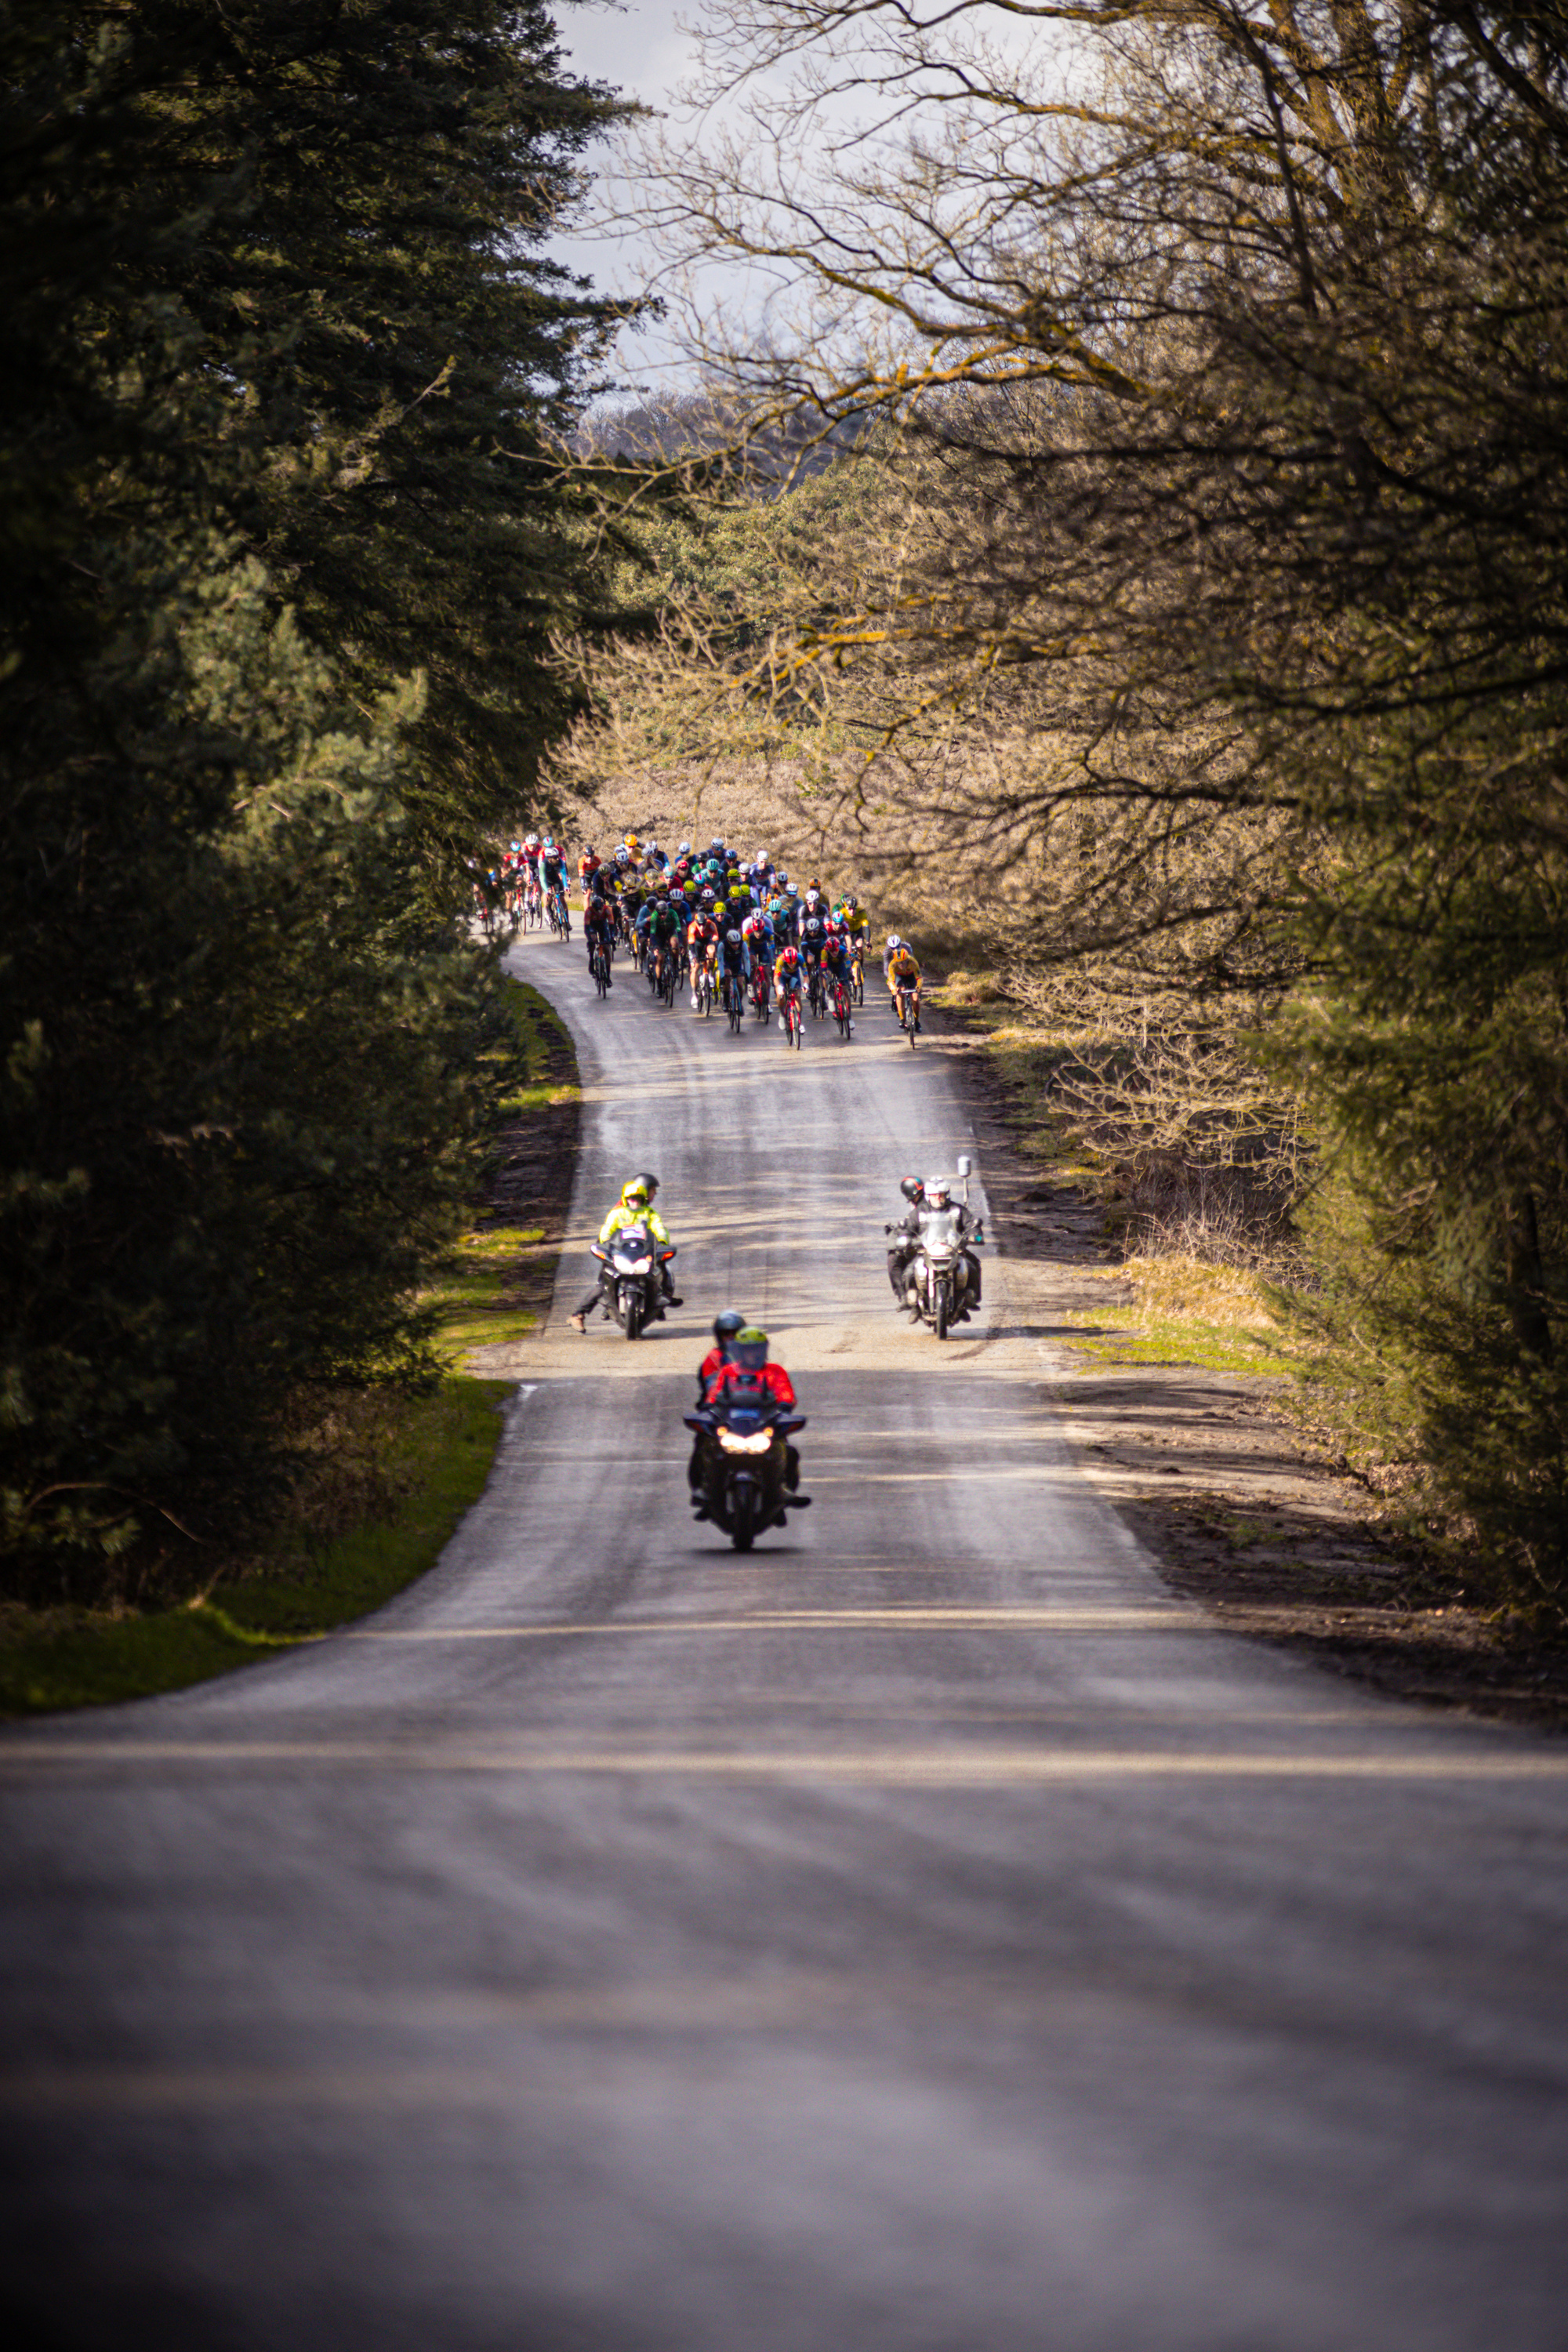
(663, 931)
(903, 972)
(702, 938)
(734, 960)
(837, 964)
(599, 928)
(587, 866)
(634, 1207)
(787, 977)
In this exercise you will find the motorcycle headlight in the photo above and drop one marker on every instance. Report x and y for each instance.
(734, 1441)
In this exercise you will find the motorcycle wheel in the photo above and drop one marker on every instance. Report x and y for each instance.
(633, 1319)
(943, 1296)
(743, 1517)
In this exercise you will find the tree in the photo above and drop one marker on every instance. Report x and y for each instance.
(282, 546)
(1227, 347)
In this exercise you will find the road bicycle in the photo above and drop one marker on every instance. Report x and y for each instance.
(560, 917)
(760, 989)
(599, 965)
(789, 1015)
(734, 995)
(817, 993)
(909, 1014)
(858, 976)
(842, 1010)
(702, 990)
(533, 907)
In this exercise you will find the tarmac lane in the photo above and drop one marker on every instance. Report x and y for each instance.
(922, 1931)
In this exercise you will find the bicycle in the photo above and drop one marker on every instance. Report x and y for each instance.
(817, 993)
(841, 1008)
(909, 1014)
(789, 1015)
(760, 990)
(599, 965)
(556, 909)
(857, 977)
(734, 998)
(703, 989)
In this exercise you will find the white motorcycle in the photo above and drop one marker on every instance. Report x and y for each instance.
(942, 1282)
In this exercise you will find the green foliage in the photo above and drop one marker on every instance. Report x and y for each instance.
(280, 551)
(439, 1460)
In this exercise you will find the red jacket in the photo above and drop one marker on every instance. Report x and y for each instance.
(772, 1377)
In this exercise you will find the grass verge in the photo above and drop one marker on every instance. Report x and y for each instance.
(1216, 1318)
(440, 1458)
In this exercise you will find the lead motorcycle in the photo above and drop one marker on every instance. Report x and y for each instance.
(942, 1283)
(629, 1279)
(746, 1460)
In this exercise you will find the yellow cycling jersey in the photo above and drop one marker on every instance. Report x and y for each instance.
(903, 972)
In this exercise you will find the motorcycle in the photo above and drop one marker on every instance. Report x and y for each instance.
(744, 1483)
(629, 1279)
(944, 1275)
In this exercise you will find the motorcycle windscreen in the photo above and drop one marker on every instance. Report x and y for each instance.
(941, 1229)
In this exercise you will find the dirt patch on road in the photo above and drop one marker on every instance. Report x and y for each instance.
(1208, 1468)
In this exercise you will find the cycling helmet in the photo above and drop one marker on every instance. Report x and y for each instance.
(532, 841)
(726, 1326)
(622, 855)
(683, 849)
(790, 956)
(812, 894)
(705, 898)
(813, 928)
(732, 938)
(894, 941)
(633, 843)
(749, 1348)
(791, 890)
(717, 845)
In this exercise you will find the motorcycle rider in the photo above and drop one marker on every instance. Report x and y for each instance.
(931, 1198)
(746, 1363)
(634, 1207)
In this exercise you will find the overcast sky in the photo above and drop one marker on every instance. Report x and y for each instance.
(638, 50)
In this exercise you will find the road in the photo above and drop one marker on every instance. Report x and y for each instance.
(924, 1933)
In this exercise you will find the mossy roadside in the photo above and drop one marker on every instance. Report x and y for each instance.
(396, 1472)
(1182, 1393)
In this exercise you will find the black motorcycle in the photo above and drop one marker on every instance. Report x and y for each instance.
(746, 1458)
(629, 1280)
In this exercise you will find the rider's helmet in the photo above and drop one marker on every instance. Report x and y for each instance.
(717, 845)
(792, 890)
(812, 930)
(749, 1348)
(532, 842)
(705, 898)
(781, 879)
(648, 1181)
(938, 1192)
(732, 938)
(813, 895)
(549, 841)
(893, 941)
(911, 1188)
(726, 1325)
(790, 959)
(633, 843)
(623, 854)
(635, 1193)
(683, 849)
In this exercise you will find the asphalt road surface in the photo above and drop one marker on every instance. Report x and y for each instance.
(921, 1933)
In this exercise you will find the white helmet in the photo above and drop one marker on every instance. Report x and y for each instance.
(894, 941)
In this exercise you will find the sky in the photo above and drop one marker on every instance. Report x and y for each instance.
(638, 50)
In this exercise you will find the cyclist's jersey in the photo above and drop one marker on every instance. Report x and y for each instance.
(787, 976)
(664, 923)
(835, 955)
(598, 914)
(553, 867)
(704, 930)
(903, 972)
(734, 957)
(587, 869)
